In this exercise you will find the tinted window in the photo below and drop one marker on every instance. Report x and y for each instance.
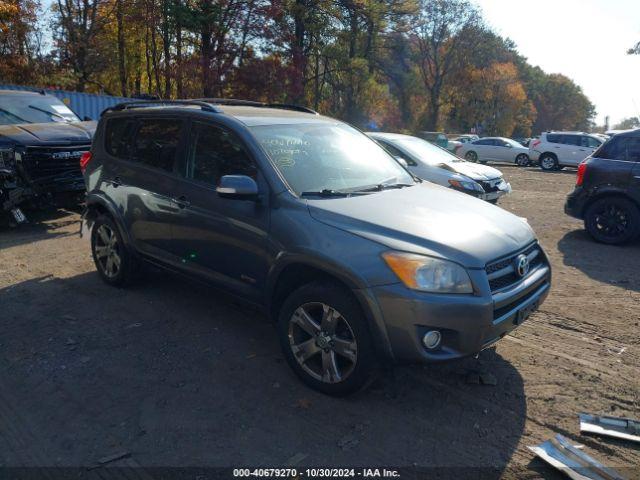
(156, 143)
(614, 149)
(570, 140)
(633, 149)
(553, 138)
(118, 136)
(216, 152)
(484, 142)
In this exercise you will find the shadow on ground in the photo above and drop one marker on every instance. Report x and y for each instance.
(41, 225)
(178, 376)
(598, 261)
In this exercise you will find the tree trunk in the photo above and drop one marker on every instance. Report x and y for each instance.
(166, 39)
(122, 70)
(179, 85)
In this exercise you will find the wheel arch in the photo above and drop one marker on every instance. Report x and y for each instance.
(97, 205)
(290, 275)
(608, 193)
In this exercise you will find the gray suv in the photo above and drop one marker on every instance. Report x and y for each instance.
(358, 262)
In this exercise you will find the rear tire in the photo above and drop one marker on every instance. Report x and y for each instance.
(471, 157)
(325, 339)
(613, 220)
(548, 162)
(522, 160)
(114, 262)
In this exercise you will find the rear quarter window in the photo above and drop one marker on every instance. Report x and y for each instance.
(553, 138)
(119, 136)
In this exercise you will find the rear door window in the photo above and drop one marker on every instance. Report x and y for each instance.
(156, 143)
(118, 137)
(633, 149)
(590, 142)
(570, 140)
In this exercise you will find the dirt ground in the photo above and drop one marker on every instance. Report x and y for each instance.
(173, 374)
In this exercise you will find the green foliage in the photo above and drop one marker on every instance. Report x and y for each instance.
(406, 65)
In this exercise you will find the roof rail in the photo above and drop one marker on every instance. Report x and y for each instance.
(150, 103)
(206, 104)
(232, 102)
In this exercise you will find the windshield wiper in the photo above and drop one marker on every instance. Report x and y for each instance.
(48, 112)
(384, 186)
(325, 192)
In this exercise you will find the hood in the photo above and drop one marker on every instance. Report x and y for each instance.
(47, 133)
(429, 220)
(474, 171)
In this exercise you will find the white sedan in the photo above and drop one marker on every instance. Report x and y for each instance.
(494, 149)
(437, 165)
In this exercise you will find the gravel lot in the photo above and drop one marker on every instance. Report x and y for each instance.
(173, 374)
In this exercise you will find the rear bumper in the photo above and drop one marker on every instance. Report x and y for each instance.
(575, 204)
(467, 323)
(534, 155)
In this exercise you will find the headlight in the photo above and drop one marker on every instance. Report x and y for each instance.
(428, 274)
(463, 185)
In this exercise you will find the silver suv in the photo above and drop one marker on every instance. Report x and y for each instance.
(555, 150)
(357, 261)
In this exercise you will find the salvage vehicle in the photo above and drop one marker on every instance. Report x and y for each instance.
(607, 192)
(41, 141)
(358, 262)
(432, 163)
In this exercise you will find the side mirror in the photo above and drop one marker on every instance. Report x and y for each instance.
(238, 187)
(402, 162)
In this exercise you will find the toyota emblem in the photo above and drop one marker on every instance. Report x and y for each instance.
(522, 265)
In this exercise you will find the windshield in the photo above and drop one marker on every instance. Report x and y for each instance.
(16, 109)
(317, 157)
(424, 152)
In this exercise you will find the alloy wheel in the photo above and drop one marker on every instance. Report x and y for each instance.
(322, 342)
(107, 251)
(548, 163)
(611, 221)
(472, 157)
(522, 160)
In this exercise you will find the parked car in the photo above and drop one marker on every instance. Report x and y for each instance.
(555, 150)
(358, 262)
(607, 193)
(495, 149)
(466, 138)
(432, 163)
(437, 138)
(41, 141)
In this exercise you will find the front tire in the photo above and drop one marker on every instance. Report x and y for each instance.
(613, 220)
(325, 339)
(548, 162)
(115, 264)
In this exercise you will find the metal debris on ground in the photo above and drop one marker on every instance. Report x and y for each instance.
(623, 428)
(560, 454)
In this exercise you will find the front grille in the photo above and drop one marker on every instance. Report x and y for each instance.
(490, 185)
(54, 168)
(509, 277)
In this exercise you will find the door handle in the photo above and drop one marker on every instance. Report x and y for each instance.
(181, 201)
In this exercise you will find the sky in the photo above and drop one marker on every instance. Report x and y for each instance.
(586, 40)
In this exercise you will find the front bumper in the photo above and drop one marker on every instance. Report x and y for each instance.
(501, 192)
(468, 323)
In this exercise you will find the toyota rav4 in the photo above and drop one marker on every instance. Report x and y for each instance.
(357, 261)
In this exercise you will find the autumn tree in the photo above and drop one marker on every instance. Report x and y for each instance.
(441, 40)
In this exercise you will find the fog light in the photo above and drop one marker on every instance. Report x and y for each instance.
(432, 339)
